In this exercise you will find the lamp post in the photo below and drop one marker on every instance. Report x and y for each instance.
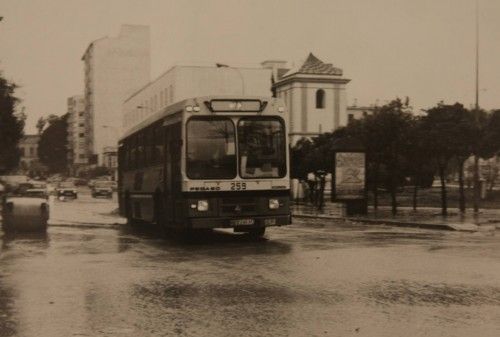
(476, 108)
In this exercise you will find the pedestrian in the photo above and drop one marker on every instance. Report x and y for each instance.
(311, 183)
(321, 176)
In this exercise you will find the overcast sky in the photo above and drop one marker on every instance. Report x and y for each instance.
(422, 49)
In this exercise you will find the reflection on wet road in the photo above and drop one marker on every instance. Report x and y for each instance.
(308, 279)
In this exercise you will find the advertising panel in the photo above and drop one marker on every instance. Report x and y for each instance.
(349, 175)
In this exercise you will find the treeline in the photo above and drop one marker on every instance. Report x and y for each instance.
(402, 146)
(11, 126)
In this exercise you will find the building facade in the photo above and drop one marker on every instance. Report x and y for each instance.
(359, 112)
(29, 163)
(181, 82)
(78, 130)
(115, 67)
(315, 95)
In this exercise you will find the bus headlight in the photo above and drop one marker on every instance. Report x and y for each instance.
(202, 205)
(274, 204)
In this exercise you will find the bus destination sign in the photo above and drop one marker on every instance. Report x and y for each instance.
(223, 105)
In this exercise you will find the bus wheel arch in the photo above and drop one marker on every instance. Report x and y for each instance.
(127, 207)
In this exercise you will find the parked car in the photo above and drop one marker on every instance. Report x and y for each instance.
(12, 182)
(26, 211)
(67, 189)
(102, 189)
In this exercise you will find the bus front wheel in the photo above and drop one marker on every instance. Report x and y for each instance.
(128, 209)
(257, 232)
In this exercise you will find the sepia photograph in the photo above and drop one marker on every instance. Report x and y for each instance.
(249, 168)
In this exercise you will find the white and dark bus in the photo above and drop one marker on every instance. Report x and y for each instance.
(208, 162)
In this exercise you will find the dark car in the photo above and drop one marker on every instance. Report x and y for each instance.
(102, 189)
(67, 189)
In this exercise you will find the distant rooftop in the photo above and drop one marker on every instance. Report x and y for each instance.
(314, 66)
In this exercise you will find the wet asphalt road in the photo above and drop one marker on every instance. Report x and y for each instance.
(314, 278)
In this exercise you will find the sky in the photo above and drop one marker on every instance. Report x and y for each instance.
(388, 48)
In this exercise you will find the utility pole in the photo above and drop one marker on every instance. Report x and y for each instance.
(477, 187)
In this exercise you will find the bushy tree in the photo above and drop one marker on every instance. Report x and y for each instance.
(53, 146)
(449, 134)
(11, 126)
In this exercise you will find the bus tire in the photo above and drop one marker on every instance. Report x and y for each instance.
(257, 232)
(159, 216)
(128, 209)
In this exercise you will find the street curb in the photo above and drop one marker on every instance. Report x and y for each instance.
(447, 227)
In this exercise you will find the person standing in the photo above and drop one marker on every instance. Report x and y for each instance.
(311, 183)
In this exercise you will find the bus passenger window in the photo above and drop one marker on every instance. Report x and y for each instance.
(159, 143)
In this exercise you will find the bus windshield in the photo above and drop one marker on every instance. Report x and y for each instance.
(262, 149)
(211, 150)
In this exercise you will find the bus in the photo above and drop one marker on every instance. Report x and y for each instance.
(208, 162)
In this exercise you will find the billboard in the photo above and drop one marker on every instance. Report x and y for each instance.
(349, 175)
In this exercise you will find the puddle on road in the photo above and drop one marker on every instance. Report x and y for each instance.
(434, 294)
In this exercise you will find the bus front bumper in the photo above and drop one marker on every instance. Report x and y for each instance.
(240, 223)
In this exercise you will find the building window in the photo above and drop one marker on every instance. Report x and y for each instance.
(80, 113)
(81, 124)
(81, 135)
(82, 156)
(320, 99)
(350, 118)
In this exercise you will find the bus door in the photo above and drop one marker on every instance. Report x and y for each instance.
(172, 172)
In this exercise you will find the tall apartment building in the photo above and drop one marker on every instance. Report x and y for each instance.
(115, 67)
(78, 131)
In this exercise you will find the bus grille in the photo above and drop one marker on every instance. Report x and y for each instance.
(238, 206)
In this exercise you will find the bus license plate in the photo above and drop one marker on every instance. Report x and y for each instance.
(242, 222)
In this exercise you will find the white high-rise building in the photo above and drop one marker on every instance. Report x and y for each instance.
(77, 134)
(115, 67)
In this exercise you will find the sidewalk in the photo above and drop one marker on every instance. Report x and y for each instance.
(424, 217)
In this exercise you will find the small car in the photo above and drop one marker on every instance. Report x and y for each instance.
(102, 189)
(67, 189)
(28, 211)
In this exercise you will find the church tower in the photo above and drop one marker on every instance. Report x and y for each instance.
(315, 95)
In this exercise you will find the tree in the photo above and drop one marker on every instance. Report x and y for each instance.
(53, 146)
(40, 124)
(417, 164)
(11, 126)
(449, 135)
(393, 121)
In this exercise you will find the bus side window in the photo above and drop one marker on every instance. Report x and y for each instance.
(133, 152)
(152, 146)
(140, 150)
(159, 143)
(125, 156)
(147, 147)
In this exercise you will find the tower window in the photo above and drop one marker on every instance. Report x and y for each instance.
(320, 99)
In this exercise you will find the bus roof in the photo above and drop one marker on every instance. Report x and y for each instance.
(179, 107)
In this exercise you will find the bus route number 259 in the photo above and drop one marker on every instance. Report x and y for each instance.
(238, 186)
